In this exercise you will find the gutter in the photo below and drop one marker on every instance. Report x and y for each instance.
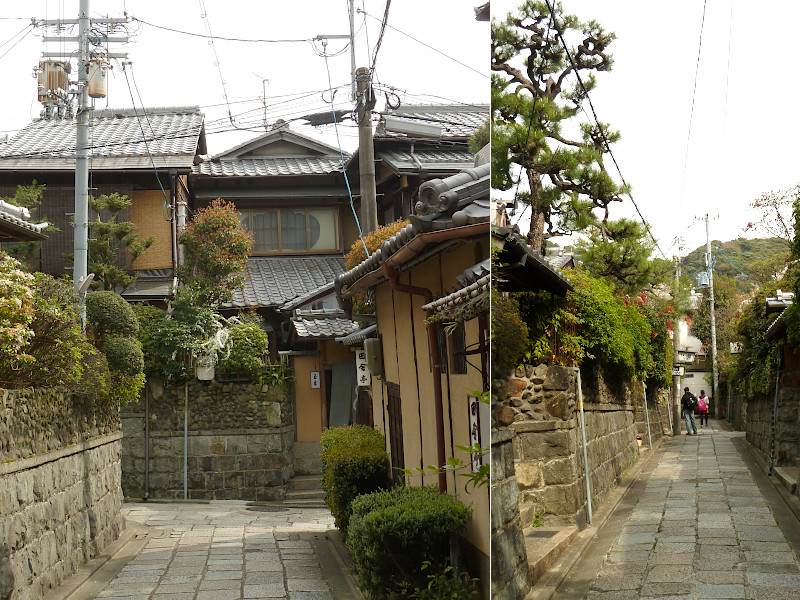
(393, 275)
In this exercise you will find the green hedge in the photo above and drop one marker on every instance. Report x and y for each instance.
(124, 354)
(393, 532)
(108, 312)
(354, 462)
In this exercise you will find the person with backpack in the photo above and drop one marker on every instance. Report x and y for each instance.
(689, 403)
(702, 408)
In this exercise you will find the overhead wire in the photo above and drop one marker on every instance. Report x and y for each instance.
(600, 128)
(482, 74)
(209, 36)
(384, 22)
(29, 29)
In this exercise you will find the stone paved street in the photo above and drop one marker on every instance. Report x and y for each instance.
(224, 550)
(697, 528)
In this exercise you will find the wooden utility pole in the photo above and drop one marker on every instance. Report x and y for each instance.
(366, 151)
(710, 267)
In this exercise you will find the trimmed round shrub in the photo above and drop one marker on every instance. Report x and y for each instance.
(108, 312)
(124, 355)
(245, 350)
(354, 462)
(393, 532)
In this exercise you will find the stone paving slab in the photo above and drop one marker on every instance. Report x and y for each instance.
(223, 551)
(701, 530)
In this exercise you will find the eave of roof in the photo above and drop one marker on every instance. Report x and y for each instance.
(526, 269)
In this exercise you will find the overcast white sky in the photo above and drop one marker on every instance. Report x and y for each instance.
(744, 132)
(171, 69)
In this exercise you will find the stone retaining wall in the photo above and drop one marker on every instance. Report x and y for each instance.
(240, 438)
(60, 492)
(510, 572)
(540, 405)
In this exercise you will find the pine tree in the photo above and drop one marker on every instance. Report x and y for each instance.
(536, 106)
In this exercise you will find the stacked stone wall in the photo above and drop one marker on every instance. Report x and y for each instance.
(540, 404)
(240, 439)
(510, 572)
(759, 422)
(60, 493)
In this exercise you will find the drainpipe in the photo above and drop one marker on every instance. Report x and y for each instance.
(583, 439)
(146, 442)
(433, 349)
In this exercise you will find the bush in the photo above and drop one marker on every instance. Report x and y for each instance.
(509, 334)
(354, 462)
(108, 312)
(124, 355)
(16, 313)
(393, 533)
(245, 350)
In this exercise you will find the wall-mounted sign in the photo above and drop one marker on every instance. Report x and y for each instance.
(678, 371)
(685, 357)
(363, 375)
(737, 347)
(316, 380)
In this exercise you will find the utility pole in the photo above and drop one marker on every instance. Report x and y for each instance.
(82, 149)
(710, 269)
(366, 150)
(676, 378)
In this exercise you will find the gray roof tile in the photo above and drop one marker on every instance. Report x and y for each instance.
(323, 324)
(261, 167)
(457, 121)
(432, 159)
(277, 280)
(172, 136)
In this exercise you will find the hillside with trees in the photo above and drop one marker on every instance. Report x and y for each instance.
(750, 262)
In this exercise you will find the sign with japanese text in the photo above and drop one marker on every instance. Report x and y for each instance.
(316, 381)
(363, 376)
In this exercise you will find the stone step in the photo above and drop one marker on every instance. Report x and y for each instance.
(544, 545)
(292, 502)
(306, 482)
(304, 494)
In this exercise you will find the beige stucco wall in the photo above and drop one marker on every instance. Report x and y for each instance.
(401, 322)
(309, 402)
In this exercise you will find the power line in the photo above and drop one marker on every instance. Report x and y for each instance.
(694, 95)
(380, 39)
(600, 129)
(225, 39)
(482, 74)
(29, 28)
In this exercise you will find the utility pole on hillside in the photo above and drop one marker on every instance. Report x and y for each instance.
(676, 376)
(92, 68)
(710, 270)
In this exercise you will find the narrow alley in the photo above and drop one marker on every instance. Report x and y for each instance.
(700, 522)
(222, 550)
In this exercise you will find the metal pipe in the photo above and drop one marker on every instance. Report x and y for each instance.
(585, 454)
(435, 354)
(647, 416)
(146, 494)
(186, 441)
(81, 232)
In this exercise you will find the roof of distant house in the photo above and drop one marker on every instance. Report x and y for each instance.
(457, 121)
(118, 138)
(275, 281)
(323, 324)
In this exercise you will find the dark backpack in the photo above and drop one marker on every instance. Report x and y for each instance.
(691, 403)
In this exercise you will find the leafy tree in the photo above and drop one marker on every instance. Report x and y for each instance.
(216, 246)
(776, 213)
(103, 252)
(536, 102)
(726, 314)
(625, 260)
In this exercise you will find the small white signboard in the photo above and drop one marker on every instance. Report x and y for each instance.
(737, 347)
(678, 371)
(363, 376)
(316, 381)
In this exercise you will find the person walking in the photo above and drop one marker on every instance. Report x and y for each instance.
(689, 403)
(702, 408)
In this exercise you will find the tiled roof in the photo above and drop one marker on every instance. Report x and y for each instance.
(323, 324)
(115, 137)
(524, 268)
(357, 338)
(457, 121)
(431, 159)
(14, 224)
(473, 292)
(276, 280)
(265, 167)
(448, 208)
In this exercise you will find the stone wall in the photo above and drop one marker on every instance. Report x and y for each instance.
(658, 411)
(510, 572)
(60, 492)
(540, 405)
(240, 438)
